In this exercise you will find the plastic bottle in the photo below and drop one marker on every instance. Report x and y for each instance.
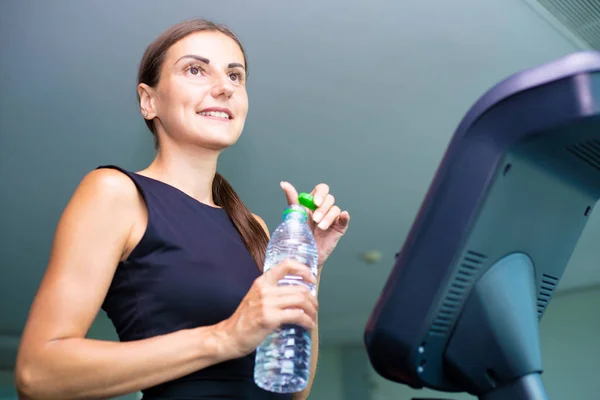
(283, 358)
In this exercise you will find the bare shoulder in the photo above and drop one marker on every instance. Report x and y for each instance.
(114, 198)
(105, 201)
(262, 223)
(109, 184)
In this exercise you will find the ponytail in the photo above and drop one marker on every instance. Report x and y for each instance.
(254, 236)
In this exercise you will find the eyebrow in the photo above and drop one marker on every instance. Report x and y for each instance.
(207, 61)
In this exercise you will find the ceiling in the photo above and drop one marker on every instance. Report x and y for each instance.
(362, 95)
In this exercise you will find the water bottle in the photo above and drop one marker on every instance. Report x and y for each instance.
(282, 363)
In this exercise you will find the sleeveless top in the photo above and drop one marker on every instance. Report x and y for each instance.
(190, 269)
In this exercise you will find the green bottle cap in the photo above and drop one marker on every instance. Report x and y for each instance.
(307, 201)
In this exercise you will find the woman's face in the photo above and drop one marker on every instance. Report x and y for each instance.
(201, 96)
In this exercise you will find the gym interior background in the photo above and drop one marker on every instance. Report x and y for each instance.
(362, 95)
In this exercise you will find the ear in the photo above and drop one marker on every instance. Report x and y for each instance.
(146, 94)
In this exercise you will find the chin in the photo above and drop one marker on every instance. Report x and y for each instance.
(215, 142)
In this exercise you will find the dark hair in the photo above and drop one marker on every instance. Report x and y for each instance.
(252, 233)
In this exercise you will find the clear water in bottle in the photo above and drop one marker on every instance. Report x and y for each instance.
(283, 358)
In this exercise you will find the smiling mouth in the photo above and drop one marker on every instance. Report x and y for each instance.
(215, 114)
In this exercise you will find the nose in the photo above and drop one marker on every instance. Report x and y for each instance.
(222, 86)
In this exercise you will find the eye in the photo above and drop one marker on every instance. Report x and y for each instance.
(236, 77)
(194, 69)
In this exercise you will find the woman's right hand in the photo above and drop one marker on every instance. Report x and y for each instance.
(267, 306)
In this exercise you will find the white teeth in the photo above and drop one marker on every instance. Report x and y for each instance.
(218, 114)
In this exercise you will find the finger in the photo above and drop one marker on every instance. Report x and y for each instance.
(319, 193)
(301, 301)
(273, 290)
(324, 208)
(290, 290)
(300, 290)
(330, 218)
(305, 293)
(296, 316)
(344, 218)
(291, 194)
(290, 267)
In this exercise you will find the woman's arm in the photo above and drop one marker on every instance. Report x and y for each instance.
(55, 360)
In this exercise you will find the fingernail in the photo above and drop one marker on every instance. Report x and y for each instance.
(317, 200)
(323, 226)
(317, 216)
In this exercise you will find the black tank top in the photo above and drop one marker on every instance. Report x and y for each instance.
(190, 269)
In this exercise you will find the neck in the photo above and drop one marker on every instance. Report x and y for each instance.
(191, 170)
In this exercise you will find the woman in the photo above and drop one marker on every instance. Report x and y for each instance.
(170, 252)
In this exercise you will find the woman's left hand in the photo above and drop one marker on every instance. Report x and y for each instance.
(327, 222)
